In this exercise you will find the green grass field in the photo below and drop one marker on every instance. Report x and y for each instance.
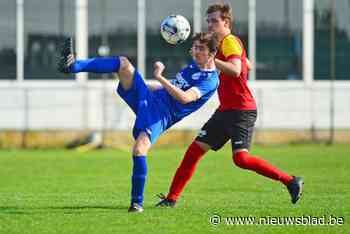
(59, 191)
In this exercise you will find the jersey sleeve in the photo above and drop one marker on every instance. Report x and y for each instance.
(231, 48)
(206, 85)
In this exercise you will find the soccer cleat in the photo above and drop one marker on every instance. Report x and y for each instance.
(135, 208)
(66, 50)
(295, 188)
(165, 202)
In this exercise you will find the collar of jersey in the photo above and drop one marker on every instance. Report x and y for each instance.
(204, 70)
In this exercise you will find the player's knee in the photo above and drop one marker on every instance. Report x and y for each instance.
(139, 150)
(241, 159)
(142, 145)
(126, 72)
(126, 67)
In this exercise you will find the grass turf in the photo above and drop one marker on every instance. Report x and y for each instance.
(59, 191)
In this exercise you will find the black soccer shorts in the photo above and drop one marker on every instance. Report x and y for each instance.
(237, 125)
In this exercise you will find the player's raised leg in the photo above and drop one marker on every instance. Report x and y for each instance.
(68, 63)
(118, 64)
(139, 172)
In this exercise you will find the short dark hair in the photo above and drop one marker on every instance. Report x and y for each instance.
(223, 8)
(209, 39)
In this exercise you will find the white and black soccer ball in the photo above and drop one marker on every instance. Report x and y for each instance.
(175, 29)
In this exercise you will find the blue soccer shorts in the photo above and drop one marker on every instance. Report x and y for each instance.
(143, 103)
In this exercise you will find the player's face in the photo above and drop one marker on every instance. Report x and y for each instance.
(215, 23)
(200, 53)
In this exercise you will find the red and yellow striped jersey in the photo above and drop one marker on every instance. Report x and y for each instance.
(234, 93)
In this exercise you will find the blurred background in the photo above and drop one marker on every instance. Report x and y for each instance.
(300, 49)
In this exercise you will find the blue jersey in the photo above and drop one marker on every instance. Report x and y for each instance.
(156, 111)
(204, 82)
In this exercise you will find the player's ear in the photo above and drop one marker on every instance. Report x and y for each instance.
(227, 23)
(190, 52)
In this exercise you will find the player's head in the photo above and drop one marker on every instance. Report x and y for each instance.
(204, 47)
(219, 18)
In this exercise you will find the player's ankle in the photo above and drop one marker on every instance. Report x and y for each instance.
(172, 198)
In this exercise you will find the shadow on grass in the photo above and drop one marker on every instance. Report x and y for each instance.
(18, 210)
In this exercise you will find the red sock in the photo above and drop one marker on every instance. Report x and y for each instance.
(246, 161)
(185, 171)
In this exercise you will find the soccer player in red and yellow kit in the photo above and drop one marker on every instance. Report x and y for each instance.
(235, 117)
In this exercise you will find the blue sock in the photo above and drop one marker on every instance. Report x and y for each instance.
(138, 179)
(96, 65)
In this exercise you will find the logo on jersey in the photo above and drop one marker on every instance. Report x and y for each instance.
(180, 82)
(196, 76)
(202, 133)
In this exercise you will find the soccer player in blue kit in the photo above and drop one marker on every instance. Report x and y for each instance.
(158, 106)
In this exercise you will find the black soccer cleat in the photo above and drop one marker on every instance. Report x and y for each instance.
(66, 50)
(134, 207)
(295, 188)
(165, 202)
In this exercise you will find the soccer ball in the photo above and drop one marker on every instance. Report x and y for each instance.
(175, 29)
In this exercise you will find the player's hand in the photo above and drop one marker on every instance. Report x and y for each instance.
(249, 64)
(158, 69)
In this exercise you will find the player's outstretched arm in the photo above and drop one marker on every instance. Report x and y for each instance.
(232, 67)
(183, 97)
